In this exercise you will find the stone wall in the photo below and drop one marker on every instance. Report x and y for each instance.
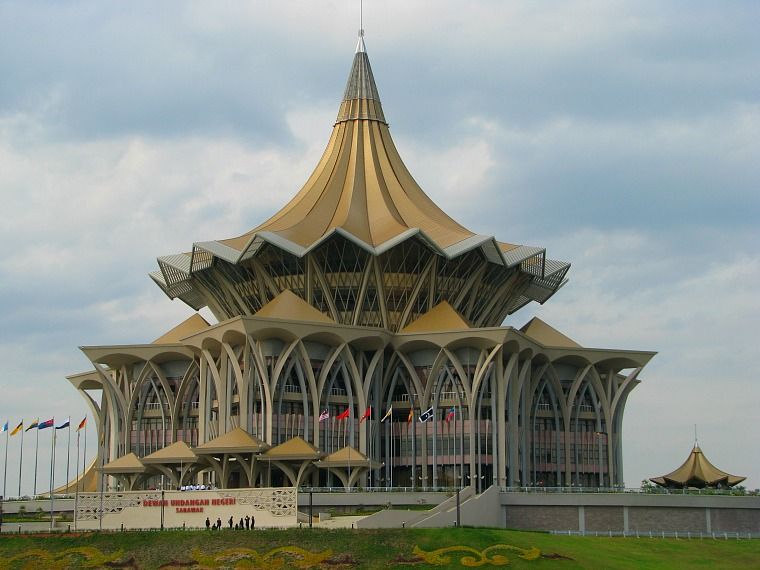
(631, 512)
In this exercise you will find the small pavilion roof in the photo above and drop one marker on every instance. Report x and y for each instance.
(347, 457)
(236, 441)
(697, 471)
(193, 324)
(295, 449)
(442, 317)
(547, 335)
(128, 463)
(178, 452)
(289, 306)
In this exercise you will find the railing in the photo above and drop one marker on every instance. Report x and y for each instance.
(444, 396)
(377, 489)
(652, 491)
(684, 534)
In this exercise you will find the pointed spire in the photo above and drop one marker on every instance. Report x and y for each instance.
(361, 99)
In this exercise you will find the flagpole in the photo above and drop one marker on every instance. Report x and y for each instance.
(68, 455)
(5, 467)
(21, 460)
(36, 455)
(52, 471)
(76, 487)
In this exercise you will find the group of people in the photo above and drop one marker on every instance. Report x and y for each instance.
(247, 523)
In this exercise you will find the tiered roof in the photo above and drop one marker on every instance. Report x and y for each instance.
(361, 190)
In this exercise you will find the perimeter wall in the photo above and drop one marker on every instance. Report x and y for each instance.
(630, 512)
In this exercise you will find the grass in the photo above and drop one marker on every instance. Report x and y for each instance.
(378, 549)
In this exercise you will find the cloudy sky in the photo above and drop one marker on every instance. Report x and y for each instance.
(622, 136)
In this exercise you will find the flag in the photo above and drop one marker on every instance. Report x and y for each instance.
(367, 415)
(324, 415)
(65, 424)
(387, 414)
(426, 415)
(450, 415)
(344, 415)
(410, 417)
(46, 424)
(82, 423)
(19, 427)
(33, 425)
(5, 427)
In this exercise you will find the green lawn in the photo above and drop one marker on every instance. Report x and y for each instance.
(368, 549)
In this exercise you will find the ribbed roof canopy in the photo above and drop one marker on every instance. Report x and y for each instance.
(697, 471)
(360, 191)
(360, 185)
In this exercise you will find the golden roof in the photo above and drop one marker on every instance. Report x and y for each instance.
(362, 191)
(347, 457)
(360, 186)
(128, 463)
(296, 448)
(193, 324)
(178, 452)
(442, 317)
(697, 471)
(236, 441)
(547, 335)
(289, 306)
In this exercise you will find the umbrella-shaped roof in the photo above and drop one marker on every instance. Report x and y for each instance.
(295, 449)
(697, 471)
(361, 191)
(178, 452)
(236, 441)
(128, 463)
(348, 457)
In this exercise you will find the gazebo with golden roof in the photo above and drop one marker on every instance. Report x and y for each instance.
(697, 472)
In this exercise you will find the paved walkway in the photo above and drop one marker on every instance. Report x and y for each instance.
(339, 522)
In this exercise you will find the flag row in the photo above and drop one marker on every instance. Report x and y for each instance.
(423, 417)
(41, 425)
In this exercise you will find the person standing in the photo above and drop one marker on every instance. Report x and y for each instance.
(242, 523)
(208, 523)
(247, 522)
(232, 522)
(253, 522)
(218, 523)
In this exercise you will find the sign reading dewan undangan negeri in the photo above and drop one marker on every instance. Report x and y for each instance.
(177, 509)
(190, 505)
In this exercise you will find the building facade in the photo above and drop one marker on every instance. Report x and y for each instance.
(352, 314)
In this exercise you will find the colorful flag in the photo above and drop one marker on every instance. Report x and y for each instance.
(344, 415)
(33, 425)
(5, 427)
(387, 414)
(82, 423)
(19, 427)
(46, 424)
(426, 415)
(367, 415)
(65, 424)
(450, 415)
(410, 417)
(324, 415)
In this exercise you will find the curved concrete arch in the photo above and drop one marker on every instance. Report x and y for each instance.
(326, 367)
(479, 375)
(168, 394)
(282, 360)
